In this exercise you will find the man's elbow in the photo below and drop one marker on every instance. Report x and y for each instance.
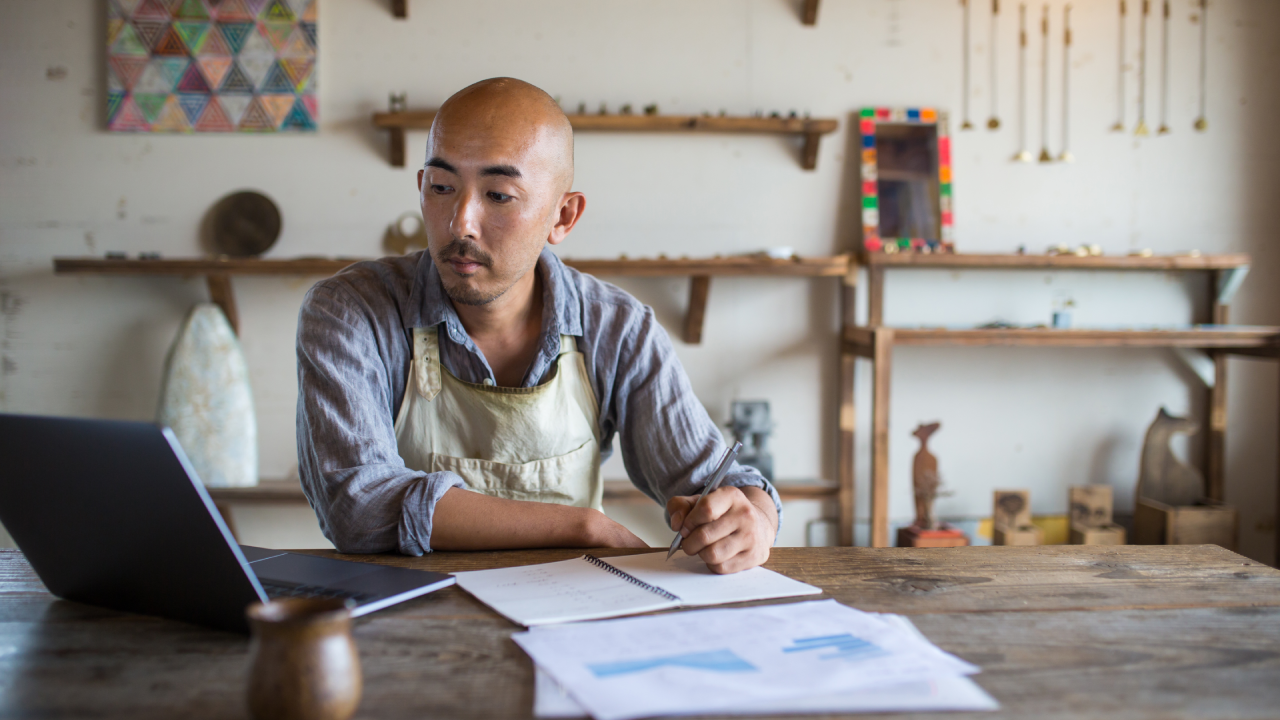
(352, 542)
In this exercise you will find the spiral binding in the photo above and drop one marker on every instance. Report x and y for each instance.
(629, 577)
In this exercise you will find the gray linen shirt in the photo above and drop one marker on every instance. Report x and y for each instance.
(355, 346)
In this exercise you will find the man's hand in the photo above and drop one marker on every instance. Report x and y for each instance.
(604, 532)
(731, 530)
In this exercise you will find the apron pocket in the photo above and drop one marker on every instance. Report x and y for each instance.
(564, 479)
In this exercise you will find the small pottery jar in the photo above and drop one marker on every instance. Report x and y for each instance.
(303, 661)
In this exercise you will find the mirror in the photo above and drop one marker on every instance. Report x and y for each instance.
(906, 181)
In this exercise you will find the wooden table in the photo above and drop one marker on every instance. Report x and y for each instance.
(1060, 631)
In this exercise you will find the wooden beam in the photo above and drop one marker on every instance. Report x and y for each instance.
(396, 148)
(699, 288)
(400, 9)
(1215, 435)
(846, 424)
(221, 293)
(882, 371)
(809, 14)
(875, 296)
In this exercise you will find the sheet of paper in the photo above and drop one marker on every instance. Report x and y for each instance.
(710, 661)
(564, 591)
(689, 579)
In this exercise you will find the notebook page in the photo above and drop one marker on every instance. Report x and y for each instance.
(565, 591)
(689, 579)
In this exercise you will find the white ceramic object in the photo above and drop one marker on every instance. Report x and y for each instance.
(207, 401)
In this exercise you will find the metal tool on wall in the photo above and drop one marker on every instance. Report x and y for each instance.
(1119, 126)
(1201, 123)
(1141, 130)
(1023, 155)
(1164, 72)
(964, 100)
(993, 122)
(1066, 155)
(1045, 157)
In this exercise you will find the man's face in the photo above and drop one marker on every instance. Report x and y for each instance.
(490, 197)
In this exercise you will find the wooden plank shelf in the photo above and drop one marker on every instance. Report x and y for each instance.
(861, 340)
(218, 271)
(808, 11)
(979, 261)
(810, 130)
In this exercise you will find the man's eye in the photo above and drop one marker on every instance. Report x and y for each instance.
(440, 189)
(499, 197)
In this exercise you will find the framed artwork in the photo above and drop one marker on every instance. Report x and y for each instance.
(184, 66)
(906, 181)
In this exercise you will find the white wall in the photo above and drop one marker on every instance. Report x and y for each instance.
(1011, 417)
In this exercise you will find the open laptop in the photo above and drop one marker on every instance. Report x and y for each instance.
(111, 513)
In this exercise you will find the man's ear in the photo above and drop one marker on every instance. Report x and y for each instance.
(421, 172)
(572, 205)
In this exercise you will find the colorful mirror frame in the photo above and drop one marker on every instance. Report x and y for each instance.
(871, 240)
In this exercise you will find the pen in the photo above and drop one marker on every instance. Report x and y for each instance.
(729, 455)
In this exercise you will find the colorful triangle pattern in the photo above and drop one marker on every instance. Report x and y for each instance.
(184, 66)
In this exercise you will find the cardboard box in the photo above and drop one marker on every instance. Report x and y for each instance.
(1155, 523)
(1024, 535)
(1105, 535)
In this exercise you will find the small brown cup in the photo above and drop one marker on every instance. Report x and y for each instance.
(303, 660)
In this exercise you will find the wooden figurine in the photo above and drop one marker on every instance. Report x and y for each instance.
(1090, 516)
(1163, 477)
(927, 531)
(1011, 519)
(1170, 507)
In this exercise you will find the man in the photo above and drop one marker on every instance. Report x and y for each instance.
(460, 398)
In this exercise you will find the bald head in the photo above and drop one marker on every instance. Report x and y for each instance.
(508, 119)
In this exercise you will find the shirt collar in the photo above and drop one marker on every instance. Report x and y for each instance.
(429, 305)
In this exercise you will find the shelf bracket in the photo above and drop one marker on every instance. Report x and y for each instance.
(400, 9)
(809, 153)
(1200, 363)
(396, 149)
(1229, 282)
(223, 296)
(699, 288)
(809, 13)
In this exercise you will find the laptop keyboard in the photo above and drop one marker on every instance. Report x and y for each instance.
(276, 590)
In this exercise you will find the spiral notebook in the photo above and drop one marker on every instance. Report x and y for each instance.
(591, 588)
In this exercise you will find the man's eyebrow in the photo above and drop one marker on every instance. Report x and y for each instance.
(507, 170)
(436, 162)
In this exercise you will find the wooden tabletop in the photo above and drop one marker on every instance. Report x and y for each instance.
(1060, 631)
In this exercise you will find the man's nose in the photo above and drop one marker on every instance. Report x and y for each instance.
(466, 215)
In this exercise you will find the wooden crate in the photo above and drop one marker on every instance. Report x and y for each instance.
(1105, 535)
(1024, 535)
(1155, 523)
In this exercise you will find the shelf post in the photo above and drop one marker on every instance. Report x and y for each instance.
(699, 288)
(1216, 429)
(875, 295)
(882, 370)
(845, 480)
(223, 296)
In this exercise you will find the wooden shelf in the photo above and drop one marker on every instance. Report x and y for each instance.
(1058, 262)
(218, 271)
(810, 130)
(808, 11)
(862, 340)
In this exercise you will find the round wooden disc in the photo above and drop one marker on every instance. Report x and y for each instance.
(245, 224)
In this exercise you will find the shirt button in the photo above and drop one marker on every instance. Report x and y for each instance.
(488, 381)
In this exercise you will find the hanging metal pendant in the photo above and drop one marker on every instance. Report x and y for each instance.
(1119, 126)
(1023, 155)
(1141, 130)
(964, 100)
(1201, 123)
(1066, 155)
(1164, 72)
(1045, 157)
(993, 123)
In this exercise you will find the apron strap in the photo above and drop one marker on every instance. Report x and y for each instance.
(426, 360)
(568, 344)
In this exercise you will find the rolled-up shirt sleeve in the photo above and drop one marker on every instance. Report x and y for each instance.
(670, 445)
(365, 498)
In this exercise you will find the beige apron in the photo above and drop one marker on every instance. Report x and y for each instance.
(537, 443)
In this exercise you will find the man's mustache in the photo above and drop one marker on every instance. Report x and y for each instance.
(464, 248)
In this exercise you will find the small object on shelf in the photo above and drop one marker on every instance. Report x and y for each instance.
(1022, 249)
(1045, 157)
(1095, 250)
(1119, 126)
(724, 113)
(1066, 156)
(604, 109)
(582, 108)
(1141, 130)
(398, 102)
(1194, 253)
(965, 85)
(1164, 72)
(1144, 252)
(1163, 477)
(751, 426)
(993, 123)
(1011, 519)
(149, 256)
(652, 109)
(1023, 155)
(117, 256)
(626, 109)
(775, 114)
(1061, 319)
(243, 224)
(792, 115)
(926, 531)
(1202, 123)
(407, 233)
(1082, 251)
(1090, 521)
(1059, 249)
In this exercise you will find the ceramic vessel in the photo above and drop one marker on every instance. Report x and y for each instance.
(207, 401)
(303, 661)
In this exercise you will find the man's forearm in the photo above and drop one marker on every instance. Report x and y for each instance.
(465, 520)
